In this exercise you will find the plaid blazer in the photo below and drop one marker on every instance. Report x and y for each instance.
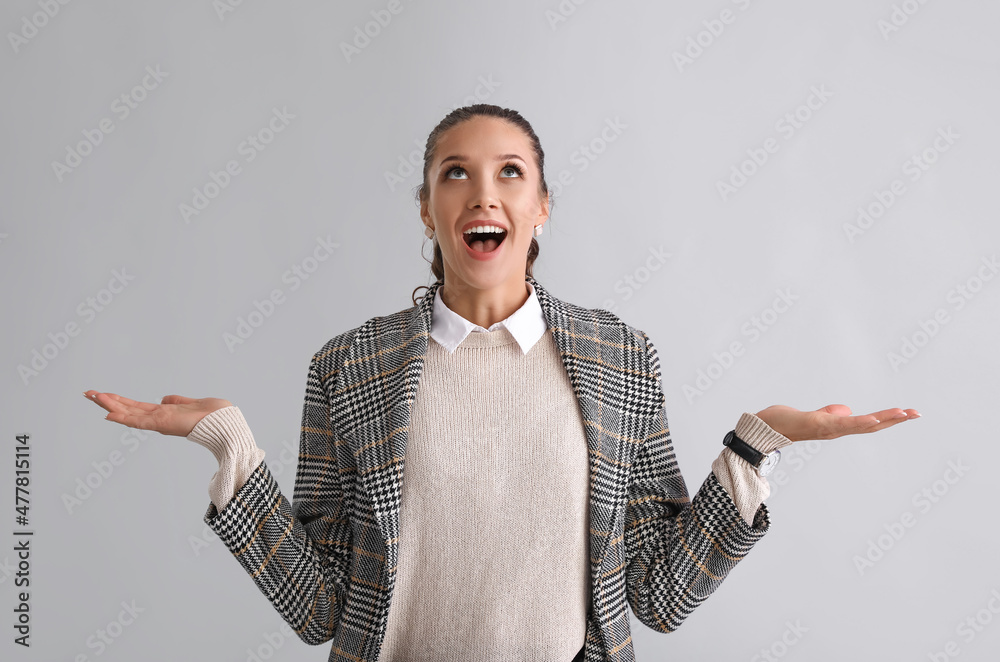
(327, 561)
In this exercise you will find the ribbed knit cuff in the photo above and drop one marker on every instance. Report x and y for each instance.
(738, 477)
(759, 434)
(225, 432)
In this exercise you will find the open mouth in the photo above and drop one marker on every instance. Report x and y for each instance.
(484, 242)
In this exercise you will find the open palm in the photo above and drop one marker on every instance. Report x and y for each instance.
(175, 415)
(831, 421)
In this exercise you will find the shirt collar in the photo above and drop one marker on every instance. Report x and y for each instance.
(527, 324)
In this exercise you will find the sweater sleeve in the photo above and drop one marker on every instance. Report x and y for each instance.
(678, 549)
(225, 432)
(738, 477)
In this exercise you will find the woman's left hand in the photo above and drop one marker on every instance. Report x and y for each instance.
(830, 422)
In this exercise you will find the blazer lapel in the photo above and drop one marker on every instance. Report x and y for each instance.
(606, 367)
(603, 360)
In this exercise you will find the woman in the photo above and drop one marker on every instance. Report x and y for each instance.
(541, 492)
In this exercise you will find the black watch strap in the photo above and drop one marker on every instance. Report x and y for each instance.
(743, 449)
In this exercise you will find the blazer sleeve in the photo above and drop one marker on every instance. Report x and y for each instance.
(298, 554)
(678, 550)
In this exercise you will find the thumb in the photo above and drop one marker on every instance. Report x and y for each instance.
(177, 400)
(837, 410)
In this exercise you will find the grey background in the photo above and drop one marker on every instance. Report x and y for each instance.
(136, 538)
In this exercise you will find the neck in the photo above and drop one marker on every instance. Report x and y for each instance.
(485, 307)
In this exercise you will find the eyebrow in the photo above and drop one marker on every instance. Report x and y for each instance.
(462, 157)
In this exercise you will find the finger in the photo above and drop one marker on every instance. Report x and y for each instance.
(864, 423)
(840, 426)
(128, 402)
(102, 400)
(113, 403)
(907, 415)
(893, 414)
(92, 396)
(887, 424)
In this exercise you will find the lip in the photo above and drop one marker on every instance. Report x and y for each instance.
(484, 257)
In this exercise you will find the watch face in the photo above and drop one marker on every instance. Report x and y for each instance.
(769, 463)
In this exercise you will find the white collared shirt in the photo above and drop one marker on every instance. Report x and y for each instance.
(526, 324)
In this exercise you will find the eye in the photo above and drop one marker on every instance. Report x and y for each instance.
(513, 166)
(510, 165)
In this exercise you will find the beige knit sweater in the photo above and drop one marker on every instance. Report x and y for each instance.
(496, 492)
(225, 432)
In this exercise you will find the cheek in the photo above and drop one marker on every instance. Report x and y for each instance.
(528, 212)
(442, 200)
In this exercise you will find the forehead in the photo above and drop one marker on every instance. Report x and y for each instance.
(483, 136)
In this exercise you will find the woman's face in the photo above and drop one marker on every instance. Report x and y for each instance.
(484, 173)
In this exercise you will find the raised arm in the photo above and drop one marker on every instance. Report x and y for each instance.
(225, 432)
(678, 550)
(298, 555)
(739, 478)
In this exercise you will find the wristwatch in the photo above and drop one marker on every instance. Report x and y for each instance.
(764, 463)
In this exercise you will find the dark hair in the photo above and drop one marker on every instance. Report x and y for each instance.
(453, 119)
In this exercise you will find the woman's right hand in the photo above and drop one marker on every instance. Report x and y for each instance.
(175, 415)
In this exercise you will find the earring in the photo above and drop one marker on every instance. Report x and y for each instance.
(429, 233)
(538, 229)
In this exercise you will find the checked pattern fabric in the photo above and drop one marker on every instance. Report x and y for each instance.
(327, 560)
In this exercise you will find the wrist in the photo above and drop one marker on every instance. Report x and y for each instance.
(753, 430)
(225, 433)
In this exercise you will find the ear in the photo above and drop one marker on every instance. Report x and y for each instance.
(543, 215)
(425, 215)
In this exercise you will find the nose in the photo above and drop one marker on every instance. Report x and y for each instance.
(485, 203)
(484, 197)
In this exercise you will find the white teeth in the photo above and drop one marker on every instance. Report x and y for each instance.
(485, 228)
